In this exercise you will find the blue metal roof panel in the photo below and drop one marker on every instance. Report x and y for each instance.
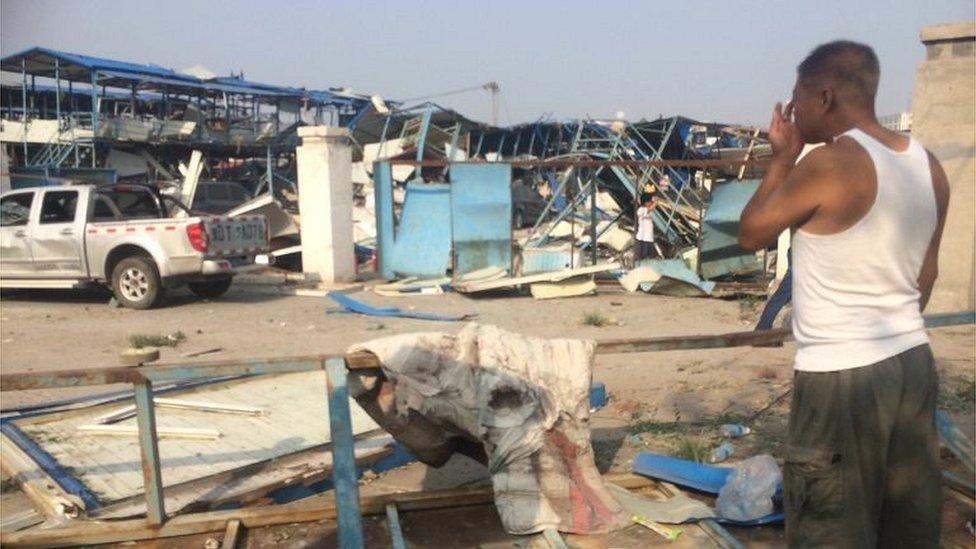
(96, 63)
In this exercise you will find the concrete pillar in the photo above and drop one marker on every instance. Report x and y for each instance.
(325, 203)
(944, 120)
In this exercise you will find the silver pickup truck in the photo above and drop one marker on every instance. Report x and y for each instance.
(129, 237)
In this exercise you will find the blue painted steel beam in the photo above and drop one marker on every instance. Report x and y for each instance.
(50, 465)
(149, 450)
(422, 138)
(393, 522)
(343, 457)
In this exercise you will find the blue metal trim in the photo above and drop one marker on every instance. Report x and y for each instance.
(343, 456)
(422, 138)
(393, 523)
(149, 451)
(49, 465)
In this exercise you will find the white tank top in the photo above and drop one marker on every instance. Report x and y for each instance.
(855, 293)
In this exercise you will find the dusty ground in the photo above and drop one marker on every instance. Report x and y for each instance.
(670, 402)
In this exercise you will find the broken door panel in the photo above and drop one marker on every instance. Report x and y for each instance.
(720, 254)
(481, 213)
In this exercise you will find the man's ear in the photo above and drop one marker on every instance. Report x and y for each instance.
(828, 99)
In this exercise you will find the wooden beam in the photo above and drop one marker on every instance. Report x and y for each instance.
(35, 482)
(13, 521)
(674, 343)
(161, 432)
(231, 535)
(95, 532)
(201, 406)
(365, 360)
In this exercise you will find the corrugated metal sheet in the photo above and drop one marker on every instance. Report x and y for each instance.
(481, 210)
(720, 252)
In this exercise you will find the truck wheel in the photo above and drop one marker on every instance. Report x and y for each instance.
(136, 283)
(212, 288)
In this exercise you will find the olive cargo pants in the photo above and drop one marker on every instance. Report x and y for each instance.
(862, 465)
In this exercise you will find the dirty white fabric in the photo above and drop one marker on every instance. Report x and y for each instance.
(527, 401)
(855, 293)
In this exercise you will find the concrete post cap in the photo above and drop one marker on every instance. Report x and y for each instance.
(962, 31)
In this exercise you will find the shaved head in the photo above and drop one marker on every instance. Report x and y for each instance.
(851, 68)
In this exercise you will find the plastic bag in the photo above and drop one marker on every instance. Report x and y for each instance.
(748, 492)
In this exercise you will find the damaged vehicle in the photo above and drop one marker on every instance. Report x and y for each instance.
(128, 237)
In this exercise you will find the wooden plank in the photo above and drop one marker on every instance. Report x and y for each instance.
(94, 532)
(161, 432)
(116, 415)
(554, 276)
(50, 498)
(181, 404)
(673, 343)
(11, 522)
(168, 372)
(231, 535)
(566, 288)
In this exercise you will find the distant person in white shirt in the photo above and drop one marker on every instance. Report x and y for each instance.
(645, 229)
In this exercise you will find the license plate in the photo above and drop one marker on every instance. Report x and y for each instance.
(237, 235)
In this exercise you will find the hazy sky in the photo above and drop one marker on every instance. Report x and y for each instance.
(711, 60)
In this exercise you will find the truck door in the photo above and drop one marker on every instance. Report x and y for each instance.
(15, 231)
(58, 236)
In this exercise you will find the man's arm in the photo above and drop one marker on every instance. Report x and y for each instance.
(930, 266)
(785, 197)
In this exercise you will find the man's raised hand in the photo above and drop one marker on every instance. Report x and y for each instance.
(784, 138)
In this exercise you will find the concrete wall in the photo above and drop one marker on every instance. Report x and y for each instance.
(944, 120)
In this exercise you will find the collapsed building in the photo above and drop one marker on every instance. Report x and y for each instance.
(69, 117)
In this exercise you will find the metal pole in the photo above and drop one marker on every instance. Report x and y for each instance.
(343, 456)
(593, 218)
(148, 447)
(269, 173)
(23, 92)
(393, 523)
(94, 104)
(57, 97)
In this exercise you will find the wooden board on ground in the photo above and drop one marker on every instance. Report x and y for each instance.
(566, 288)
(554, 276)
(438, 503)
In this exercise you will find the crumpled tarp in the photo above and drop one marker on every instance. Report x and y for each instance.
(524, 401)
(667, 277)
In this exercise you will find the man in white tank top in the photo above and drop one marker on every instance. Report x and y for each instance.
(867, 211)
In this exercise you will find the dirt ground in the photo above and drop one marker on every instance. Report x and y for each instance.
(668, 402)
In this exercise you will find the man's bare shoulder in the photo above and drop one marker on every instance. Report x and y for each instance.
(822, 163)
